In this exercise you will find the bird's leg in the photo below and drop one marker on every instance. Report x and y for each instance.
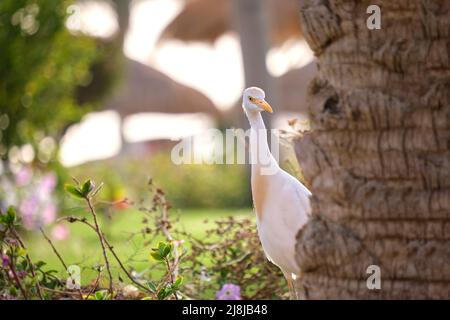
(291, 287)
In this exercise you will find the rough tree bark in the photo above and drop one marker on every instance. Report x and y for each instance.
(378, 156)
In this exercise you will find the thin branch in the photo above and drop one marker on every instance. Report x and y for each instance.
(60, 292)
(17, 280)
(58, 255)
(170, 271)
(110, 248)
(102, 243)
(165, 223)
(54, 249)
(95, 286)
(94, 193)
(33, 273)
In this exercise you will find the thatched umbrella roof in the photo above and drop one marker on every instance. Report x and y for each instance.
(145, 89)
(206, 20)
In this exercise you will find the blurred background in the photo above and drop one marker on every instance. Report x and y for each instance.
(104, 89)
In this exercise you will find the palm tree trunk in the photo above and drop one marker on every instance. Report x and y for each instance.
(378, 155)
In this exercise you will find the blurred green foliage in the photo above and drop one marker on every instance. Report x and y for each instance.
(202, 186)
(187, 186)
(42, 64)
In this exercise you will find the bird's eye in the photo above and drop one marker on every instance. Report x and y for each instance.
(250, 98)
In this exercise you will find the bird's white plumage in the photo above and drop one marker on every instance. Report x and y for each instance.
(282, 218)
(282, 203)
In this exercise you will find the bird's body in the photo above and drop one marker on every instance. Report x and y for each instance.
(281, 202)
(278, 223)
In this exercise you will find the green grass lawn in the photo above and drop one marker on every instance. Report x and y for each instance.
(82, 247)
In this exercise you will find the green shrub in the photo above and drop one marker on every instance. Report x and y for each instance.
(202, 186)
(41, 66)
(187, 186)
(228, 263)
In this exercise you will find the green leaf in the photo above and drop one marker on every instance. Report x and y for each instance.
(21, 252)
(161, 246)
(161, 251)
(156, 255)
(163, 293)
(101, 295)
(151, 286)
(73, 191)
(177, 282)
(10, 216)
(13, 291)
(167, 249)
(164, 249)
(24, 262)
(33, 281)
(87, 187)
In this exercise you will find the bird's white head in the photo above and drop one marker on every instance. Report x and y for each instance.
(253, 100)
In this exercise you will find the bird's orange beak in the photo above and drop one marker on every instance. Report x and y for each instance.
(263, 104)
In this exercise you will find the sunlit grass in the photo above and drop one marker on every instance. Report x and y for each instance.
(82, 247)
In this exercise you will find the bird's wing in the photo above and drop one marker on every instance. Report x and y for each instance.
(298, 205)
(285, 214)
(304, 197)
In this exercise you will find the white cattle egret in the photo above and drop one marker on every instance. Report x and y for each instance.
(281, 202)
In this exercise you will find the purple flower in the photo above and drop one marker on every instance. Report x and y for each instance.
(229, 291)
(5, 261)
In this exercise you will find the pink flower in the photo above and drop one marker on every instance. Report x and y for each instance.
(47, 183)
(60, 232)
(49, 214)
(23, 177)
(28, 209)
(229, 291)
(20, 274)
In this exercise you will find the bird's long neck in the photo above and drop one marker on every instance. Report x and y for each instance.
(263, 163)
(259, 147)
(256, 120)
(258, 137)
